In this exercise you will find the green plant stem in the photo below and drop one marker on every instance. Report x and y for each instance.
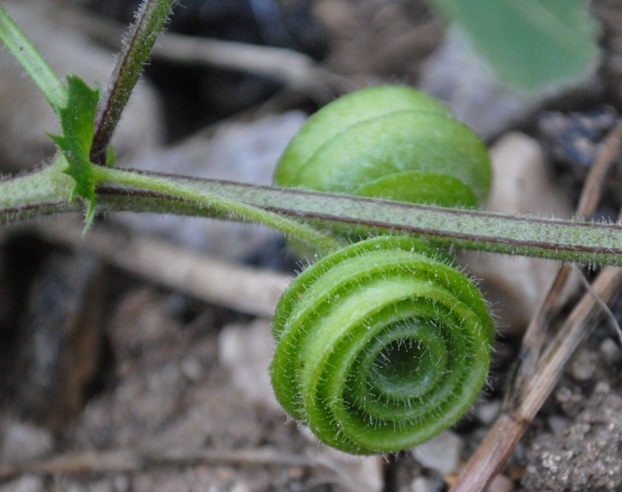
(150, 20)
(37, 193)
(231, 209)
(582, 242)
(45, 192)
(32, 62)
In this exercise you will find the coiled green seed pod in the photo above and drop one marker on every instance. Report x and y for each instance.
(380, 346)
(383, 344)
(390, 142)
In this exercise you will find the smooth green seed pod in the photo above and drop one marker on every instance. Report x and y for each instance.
(390, 142)
(380, 345)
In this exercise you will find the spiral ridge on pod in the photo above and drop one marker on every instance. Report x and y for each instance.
(380, 345)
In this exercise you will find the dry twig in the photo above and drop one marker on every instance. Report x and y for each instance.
(299, 71)
(129, 460)
(244, 289)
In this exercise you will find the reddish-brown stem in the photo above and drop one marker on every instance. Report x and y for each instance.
(150, 20)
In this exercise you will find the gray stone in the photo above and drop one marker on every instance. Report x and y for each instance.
(246, 350)
(487, 411)
(25, 483)
(501, 483)
(516, 285)
(582, 366)
(22, 441)
(423, 484)
(441, 454)
(611, 351)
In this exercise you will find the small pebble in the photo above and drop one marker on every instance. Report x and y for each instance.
(441, 454)
(246, 351)
(22, 441)
(487, 412)
(25, 483)
(191, 368)
(611, 351)
(582, 367)
(501, 483)
(423, 484)
(240, 487)
(557, 424)
(572, 139)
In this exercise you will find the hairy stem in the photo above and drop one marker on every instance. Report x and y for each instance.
(150, 20)
(232, 209)
(32, 62)
(37, 193)
(581, 242)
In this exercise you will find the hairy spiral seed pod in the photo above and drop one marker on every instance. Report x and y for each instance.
(380, 345)
(383, 344)
(390, 142)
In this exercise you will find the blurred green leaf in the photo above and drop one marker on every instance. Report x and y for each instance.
(532, 44)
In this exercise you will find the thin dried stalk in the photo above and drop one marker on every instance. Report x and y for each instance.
(297, 70)
(245, 289)
(131, 460)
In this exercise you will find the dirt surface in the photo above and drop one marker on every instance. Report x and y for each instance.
(110, 381)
